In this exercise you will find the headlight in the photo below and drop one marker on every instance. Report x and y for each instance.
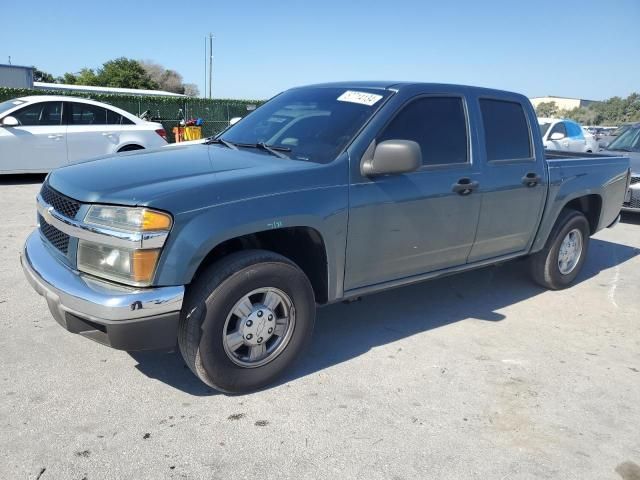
(129, 266)
(133, 267)
(128, 218)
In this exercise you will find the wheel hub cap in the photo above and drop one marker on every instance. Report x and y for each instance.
(570, 252)
(259, 327)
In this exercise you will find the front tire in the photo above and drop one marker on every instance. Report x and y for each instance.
(245, 320)
(558, 264)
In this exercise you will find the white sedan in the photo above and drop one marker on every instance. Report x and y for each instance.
(40, 133)
(567, 135)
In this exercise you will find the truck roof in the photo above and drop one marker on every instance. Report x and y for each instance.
(399, 85)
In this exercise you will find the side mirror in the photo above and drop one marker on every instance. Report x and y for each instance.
(10, 121)
(391, 157)
(603, 145)
(557, 136)
(234, 120)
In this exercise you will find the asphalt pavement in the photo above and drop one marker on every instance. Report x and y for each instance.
(482, 375)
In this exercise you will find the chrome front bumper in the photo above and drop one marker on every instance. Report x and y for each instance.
(122, 317)
(632, 198)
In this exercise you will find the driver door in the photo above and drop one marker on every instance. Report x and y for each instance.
(402, 225)
(38, 143)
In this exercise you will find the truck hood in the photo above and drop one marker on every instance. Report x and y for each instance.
(153, 177)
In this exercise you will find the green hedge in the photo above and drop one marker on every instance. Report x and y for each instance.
(215, 113)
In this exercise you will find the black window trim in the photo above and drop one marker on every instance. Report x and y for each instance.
(41, 102)
(531, 158)
(438, 166)
(67, 116)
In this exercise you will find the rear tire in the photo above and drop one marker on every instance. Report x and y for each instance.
(558, 264)
(262, 288)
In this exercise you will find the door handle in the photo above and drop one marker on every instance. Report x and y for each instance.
(107, 134)
(531, 179)
(54, 137)
(465, 186)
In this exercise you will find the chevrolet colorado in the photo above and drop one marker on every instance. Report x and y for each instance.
(324, 193)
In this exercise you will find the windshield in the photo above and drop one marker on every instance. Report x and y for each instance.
(629, 141)
(4, 106)
(543, 128)
(311, 124)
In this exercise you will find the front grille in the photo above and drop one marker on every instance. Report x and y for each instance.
(60, 203)
(58, 239)
(635, 180)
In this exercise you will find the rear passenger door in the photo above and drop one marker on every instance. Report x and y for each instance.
(513, 180)
(409, 224)
(575, 137)
(91, 131)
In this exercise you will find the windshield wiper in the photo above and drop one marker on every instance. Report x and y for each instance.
(220, 141)
(272, 149)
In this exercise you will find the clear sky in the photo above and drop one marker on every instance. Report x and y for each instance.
(576, 48)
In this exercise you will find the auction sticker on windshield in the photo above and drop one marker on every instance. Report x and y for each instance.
(362, 98)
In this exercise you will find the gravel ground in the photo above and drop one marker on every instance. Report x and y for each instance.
(481, 375)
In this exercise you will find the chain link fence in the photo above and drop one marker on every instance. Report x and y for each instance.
(215, 113)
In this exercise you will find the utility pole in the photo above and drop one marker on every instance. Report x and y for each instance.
(204, 91)
(210, 61)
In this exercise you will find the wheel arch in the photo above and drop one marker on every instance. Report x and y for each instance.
(590, 205)
(129, 147)
(303, 245)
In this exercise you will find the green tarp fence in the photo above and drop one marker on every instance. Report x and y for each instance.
(215, 113)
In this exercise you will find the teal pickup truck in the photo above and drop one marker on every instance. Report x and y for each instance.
(324, 193)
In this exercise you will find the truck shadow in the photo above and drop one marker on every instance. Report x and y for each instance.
(346, 331)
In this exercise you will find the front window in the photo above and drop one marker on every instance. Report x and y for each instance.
(40, 114)
(629, 141)
(310, 124)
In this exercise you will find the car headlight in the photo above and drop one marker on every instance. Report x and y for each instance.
(128, 218)
(130, 266)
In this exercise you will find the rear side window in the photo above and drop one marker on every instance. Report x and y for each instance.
(437, 124)
(113, 118)
(506, 130)
(574, 130)
(86, 114)
(43, 113)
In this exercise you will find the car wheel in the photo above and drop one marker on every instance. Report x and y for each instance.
(558, 264)
(245, 319)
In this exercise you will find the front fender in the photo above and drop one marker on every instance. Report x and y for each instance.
(198, 232)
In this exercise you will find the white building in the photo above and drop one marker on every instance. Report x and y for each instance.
(563, 103)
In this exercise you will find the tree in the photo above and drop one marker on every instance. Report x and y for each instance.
(128, 73)
(546, 109)
(191, 90)
(40, 76)
(124, 73)
(168, 80)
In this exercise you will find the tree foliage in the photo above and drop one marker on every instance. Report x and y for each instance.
(40, 76)
(613, 111)
(128, 73)
(547, 109)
